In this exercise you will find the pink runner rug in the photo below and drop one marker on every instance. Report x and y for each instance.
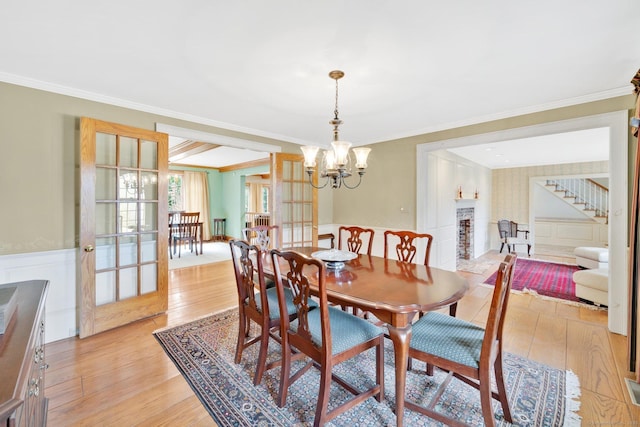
(545, 278)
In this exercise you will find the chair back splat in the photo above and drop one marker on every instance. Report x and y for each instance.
(355, 239)
(266, 236)
(467, 351)
(327, 335)
(406, 248)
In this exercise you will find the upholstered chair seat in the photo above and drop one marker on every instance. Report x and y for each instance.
(468, 352)
(449, 338)
(346, 330)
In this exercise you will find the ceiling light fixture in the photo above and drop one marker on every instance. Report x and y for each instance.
(336, 162)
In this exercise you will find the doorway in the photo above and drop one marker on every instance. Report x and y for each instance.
(616, 122)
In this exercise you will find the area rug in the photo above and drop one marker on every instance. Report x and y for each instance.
(543, 278)
(475, 266)
(203, 351)
(211, 252)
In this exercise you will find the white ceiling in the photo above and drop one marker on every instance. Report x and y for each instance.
(411, 67)
(589, 145)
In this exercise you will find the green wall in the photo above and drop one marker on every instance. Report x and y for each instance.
(226, 194)
(233, 190)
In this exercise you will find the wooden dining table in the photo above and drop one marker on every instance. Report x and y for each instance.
(395, 292)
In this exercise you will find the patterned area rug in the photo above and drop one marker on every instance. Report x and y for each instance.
(203, 351)
(543, 278)
(475, 266)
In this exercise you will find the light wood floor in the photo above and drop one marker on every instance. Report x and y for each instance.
(123, 377)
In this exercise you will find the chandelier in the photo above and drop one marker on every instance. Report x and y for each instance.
(336, 162)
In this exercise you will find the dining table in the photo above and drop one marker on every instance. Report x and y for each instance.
(394, 292)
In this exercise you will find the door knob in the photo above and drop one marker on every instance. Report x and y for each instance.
(88, 248)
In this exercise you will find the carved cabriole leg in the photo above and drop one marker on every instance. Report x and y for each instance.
(401, 336)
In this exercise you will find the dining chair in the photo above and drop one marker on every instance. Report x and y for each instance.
(266, 236)
(327, 335)
(187, 232)
(406, 249)
(256, 304)
(467, 351)
(355, 238)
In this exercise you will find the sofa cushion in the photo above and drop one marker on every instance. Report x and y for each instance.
(596, 254)
(596, 279)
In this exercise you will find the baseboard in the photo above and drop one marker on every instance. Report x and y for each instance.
(634, 391)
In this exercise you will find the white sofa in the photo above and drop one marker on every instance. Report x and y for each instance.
(592, 257)
(593, 285)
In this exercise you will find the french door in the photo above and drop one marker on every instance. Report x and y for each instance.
(294, 201)
(123, 225)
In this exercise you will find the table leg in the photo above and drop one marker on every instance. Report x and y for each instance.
(401, 337)
(201, 234)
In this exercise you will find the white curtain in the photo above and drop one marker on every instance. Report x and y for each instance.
(196, 198)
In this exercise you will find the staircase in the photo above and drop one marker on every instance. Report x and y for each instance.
(584, 194)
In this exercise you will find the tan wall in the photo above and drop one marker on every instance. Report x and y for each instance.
(510, 187)
(390, 182)
(39, 158)
(39, 154)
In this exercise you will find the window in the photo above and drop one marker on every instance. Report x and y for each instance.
(176, 194)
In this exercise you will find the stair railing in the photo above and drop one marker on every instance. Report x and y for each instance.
(585, 191)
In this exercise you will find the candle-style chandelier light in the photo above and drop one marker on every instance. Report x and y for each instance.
(336, 162)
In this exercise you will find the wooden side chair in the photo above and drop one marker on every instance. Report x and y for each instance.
(187, 232)
(467, 351)
(327, 335)
(406, 247)
(355, 239)
(266, 236)
(256, 303)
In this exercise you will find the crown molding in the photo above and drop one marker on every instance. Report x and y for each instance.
(118, 102)
(92, 96)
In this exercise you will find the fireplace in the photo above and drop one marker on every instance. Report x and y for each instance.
(465, 233)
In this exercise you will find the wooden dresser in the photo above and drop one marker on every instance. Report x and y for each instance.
(22, 361)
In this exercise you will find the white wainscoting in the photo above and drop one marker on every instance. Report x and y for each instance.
(571, 233)
(59, 268)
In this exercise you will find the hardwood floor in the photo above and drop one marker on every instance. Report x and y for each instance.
(123, 377)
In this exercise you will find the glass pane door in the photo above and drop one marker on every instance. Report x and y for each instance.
(124, 225)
